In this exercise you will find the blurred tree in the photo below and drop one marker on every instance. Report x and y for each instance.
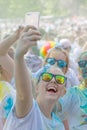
(18, 8)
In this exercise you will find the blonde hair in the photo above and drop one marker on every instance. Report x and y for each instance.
(82, 54)
(84, 47)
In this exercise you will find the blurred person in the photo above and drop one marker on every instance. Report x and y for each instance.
(80, 42)
(33, 61)
(7, 92)
(74, 102)
(49, 85)
(66, 45)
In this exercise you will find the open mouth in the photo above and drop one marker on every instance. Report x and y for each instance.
(52, 89)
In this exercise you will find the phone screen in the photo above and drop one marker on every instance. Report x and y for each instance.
(32, 18)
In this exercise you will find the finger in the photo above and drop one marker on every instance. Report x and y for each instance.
(26, 29)
(35, 38)
(30, 33)
(34, 43)
(21, 28)
(32, 38)
(35, 32)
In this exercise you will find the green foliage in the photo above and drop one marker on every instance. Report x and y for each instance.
(18, 8)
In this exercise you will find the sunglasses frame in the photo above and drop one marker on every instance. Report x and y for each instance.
(65, 63)
(53, 75)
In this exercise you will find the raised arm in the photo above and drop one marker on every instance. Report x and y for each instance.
(7, 66)
(8, 42)
(6, 62)
(22, 75)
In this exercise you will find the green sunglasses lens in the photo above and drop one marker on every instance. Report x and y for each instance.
(60, 79)
(46, 77)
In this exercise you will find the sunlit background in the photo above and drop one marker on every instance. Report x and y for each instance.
(58, 18)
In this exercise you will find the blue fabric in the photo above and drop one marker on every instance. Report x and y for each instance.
(74, 102)
(7, 105)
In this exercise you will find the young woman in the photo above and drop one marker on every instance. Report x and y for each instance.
(31, 114)
(7, 93)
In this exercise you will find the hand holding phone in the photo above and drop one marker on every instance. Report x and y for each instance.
(32, 18)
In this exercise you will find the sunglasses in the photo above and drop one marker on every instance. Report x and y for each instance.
(82, 63)
(60, 63)
(60, 79)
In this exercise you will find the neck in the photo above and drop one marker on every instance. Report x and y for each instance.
(46, 108)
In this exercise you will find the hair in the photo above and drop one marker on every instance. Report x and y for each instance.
(79, 58)
(84, 48)
(36, 78)
(58, 49)
(82, 54)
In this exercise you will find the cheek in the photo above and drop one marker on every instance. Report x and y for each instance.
(62, 91)
(41, 87)
(64, 70)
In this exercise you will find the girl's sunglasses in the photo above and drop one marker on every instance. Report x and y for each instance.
(82, 63)
(60, 79)
(60, 63)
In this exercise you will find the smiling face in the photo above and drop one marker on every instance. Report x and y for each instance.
(59, 55)
(51, 90)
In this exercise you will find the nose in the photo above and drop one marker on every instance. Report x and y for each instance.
(55, 64)
(53, 80)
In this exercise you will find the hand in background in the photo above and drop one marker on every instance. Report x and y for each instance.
(28, 38)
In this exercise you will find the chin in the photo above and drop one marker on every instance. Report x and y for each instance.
(52, 98)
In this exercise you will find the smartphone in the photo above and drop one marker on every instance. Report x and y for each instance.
(32, 18)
